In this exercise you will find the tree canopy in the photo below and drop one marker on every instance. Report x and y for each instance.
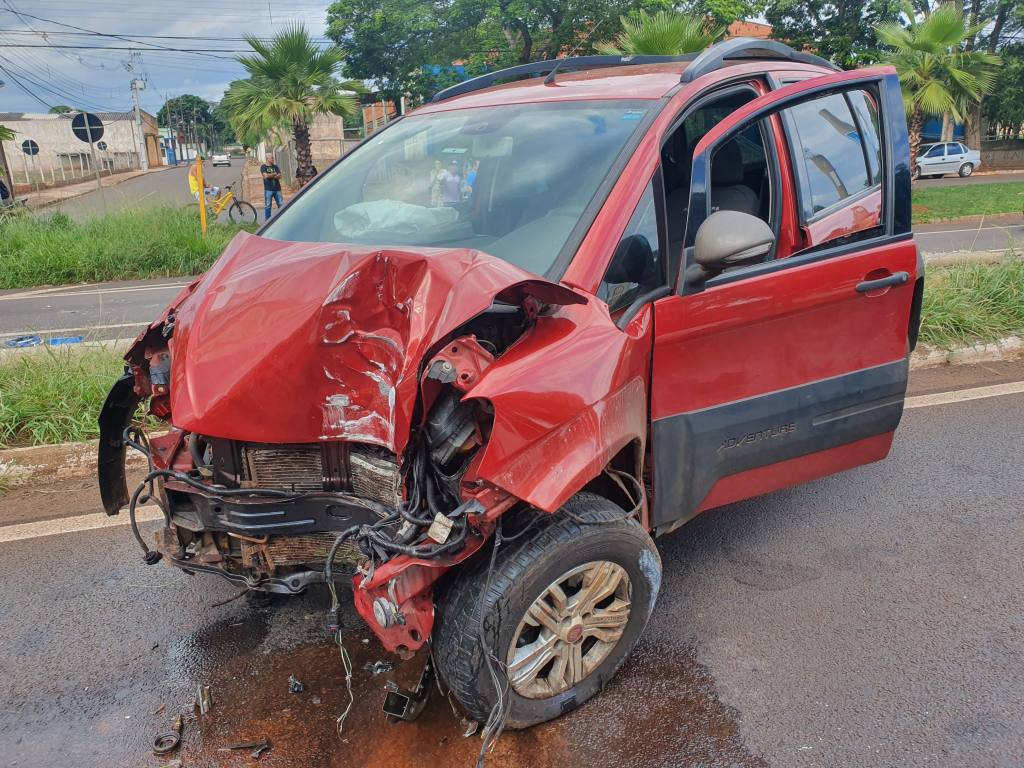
(842, 31)
(1008, 109)
(185, 108)
(416, 47)
(61, 109)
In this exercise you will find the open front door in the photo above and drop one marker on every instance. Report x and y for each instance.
(773, 373)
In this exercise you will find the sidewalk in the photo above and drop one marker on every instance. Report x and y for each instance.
(47, 197)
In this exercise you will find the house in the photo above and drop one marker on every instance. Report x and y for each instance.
(740, 28)
(62, 158)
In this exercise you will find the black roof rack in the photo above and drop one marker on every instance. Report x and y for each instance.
(712, 58)
(537, 68)
(739, 48)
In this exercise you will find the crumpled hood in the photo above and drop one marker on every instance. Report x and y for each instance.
(285, 342)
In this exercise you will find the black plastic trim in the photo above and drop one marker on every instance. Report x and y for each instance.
(693, 450)
(742, 48)
(115, 416)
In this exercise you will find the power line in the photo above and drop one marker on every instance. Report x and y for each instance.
(47, 33)
(130, 48)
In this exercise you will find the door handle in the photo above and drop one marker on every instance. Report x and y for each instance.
(896, 278)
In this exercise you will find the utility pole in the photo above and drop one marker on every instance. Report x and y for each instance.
(138, 85)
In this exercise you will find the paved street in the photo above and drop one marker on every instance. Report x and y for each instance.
(988, 234)
(165, 187)
(868, 619)
(978, 178)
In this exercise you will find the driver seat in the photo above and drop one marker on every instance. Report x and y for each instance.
(728, 190)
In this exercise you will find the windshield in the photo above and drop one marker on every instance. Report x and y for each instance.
(512, 181)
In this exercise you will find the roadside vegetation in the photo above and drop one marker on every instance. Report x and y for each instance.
(54, 395)
(131, 244)
(956, 200)
(972, 302)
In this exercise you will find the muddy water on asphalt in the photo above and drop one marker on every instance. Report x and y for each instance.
(660, 710)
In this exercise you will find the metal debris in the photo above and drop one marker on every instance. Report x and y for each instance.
(204, 699)
(295, 685)
(378, 667)
(257, 747)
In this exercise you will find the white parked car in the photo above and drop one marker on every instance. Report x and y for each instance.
(223, 159)
(948, 157)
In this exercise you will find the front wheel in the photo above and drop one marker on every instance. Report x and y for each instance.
(966, 170)
(242, 212)
(565, 605)
(917, 172)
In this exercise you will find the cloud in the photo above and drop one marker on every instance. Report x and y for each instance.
(98, 79)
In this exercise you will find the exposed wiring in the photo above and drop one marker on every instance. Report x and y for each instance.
(346, 663)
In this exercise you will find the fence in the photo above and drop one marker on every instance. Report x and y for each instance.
(68, 167)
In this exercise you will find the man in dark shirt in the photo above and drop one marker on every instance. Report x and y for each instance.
(271, 186)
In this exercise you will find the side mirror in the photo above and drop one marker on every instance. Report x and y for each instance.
(730, 238)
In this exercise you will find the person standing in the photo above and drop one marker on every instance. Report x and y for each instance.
(451, 185)
(193, 184)
(271, 186)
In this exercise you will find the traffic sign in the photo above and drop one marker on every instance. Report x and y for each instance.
(101, 146)
(87, 127)
(29, 147)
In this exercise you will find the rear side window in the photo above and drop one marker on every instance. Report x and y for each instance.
(836, 149)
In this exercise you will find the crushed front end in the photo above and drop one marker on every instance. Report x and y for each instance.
(316, 423)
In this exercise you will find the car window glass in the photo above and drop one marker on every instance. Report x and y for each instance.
(828, 153)
(958, 149)
(636, 267)
(866, 111)
(935, 151)
(512, 181)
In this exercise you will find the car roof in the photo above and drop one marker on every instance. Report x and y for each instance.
(643, 81)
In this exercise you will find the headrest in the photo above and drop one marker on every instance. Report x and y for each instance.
(727, 166)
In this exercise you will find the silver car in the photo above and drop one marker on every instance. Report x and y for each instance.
(949, 157)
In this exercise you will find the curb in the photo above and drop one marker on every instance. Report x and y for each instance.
(63, 461)
(1010, 348)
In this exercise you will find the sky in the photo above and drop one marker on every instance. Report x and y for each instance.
(97, 78)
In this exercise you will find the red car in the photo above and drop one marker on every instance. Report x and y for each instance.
(476, 366)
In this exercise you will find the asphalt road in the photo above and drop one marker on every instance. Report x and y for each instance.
(868, 619)
(984, 178)
(165, 187)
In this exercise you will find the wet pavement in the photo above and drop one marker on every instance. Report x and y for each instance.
(868, 619)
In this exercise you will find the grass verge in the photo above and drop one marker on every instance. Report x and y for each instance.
(54, 395)
(972, 302)
(130, 244)
(958, 200)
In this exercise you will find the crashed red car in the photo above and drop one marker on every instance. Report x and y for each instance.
(478, 364)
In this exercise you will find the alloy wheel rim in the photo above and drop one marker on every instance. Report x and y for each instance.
(569, 630)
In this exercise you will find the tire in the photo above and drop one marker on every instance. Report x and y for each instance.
(917, 172)
(242, 212)
(966, 170)
(524, 571)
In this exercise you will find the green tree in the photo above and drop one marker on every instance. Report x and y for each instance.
(839, 31)
(938, 76)
(61, 109)
(666, 33)
(1008, 108)
(291, 81)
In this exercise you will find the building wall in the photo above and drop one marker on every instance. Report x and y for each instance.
(1005, 155)
(62, 157)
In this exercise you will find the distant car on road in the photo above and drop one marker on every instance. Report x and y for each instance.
(946, 157)
(223, 159)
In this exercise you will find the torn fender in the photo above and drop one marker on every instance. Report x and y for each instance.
(285, 342)
(567, 397)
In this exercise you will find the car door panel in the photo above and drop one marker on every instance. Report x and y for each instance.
(785, 371)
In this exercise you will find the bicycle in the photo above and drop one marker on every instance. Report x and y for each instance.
(239, 211)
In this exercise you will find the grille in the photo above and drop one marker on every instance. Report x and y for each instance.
(367, 472)
(286, 467)
(280, 551)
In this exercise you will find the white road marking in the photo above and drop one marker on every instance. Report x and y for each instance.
(972, 229)
(963, 395)
(86, 328)
(56, 293)
(75, 524)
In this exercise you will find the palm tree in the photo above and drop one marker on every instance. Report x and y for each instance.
(291, 81)
(6, 134)
(666, 33)
(937, 74)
